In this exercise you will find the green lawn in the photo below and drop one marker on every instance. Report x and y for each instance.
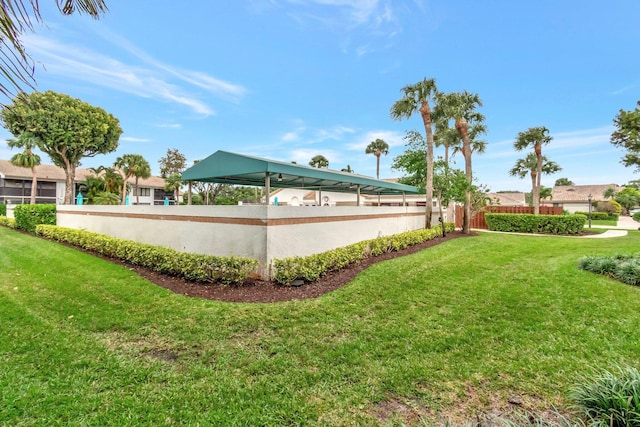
(450, 331)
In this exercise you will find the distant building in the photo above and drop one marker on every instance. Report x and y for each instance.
(575, 198)
(15, 185)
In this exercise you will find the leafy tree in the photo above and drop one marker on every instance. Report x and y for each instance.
(413, 161)
(232, 194)
(65, 128)
(173, 163)
(319, 161)
(448, 185)
(461, 108)
(627, 135)
(546, 193)
(534, 137)
(628, 198)
(17, 16)
(132, 165)
(377, 148)
(563, 181)
(529, 166)
(416, 99)
(26, 159)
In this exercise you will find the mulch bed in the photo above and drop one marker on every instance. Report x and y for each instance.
(267, 291)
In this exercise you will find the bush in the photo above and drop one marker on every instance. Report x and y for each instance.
(3, 209)
(636, 216)
(604, 216)
(29, 216)
(7, 222)
(622, 267)
(311, 268)
(529, 223)
(610, 398)
(194, 267)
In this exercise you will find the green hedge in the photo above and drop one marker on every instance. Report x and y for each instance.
(7, 222)
(194, 267)
(529, 223)
(311, 268)
(600, 215)
(3, 209)
(29, 216)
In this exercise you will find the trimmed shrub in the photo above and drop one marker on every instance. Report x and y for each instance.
(3, 209)
(29, 216)
(636, 216)
(600, 215)
(7, 222)
(529, 223)
(193, 267)
(311, 268)
(610, 398)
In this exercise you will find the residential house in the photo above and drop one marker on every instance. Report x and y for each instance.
(575, 198)
(514, 198)
(15, 185)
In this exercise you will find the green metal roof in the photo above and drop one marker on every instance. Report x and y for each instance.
(230, 168)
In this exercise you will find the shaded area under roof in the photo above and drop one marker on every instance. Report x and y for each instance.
(229, 168)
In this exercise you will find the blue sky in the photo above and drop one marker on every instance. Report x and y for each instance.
(289, 79)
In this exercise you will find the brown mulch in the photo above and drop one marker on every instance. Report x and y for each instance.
(267, 291)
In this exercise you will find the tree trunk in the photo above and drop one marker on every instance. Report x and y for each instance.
(425, 110)
(534, 182)
(461, 126)
(378, 164)
(536, 192)
(137, 192)
(444, 233)
(124, 190)
(189, 196)
(34, 186)
(70, 171)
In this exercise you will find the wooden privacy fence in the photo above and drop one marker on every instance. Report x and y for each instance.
(478, 219)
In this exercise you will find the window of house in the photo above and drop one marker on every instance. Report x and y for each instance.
(144, 192)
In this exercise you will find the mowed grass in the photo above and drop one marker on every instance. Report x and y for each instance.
(449, 332)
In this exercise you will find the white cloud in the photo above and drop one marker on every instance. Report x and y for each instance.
(169, 125)
(303, 155)
(134, 139)
(394, 139)
(150, 79)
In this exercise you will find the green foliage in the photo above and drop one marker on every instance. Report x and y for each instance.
(7, 222)
(29, 216)
(528, 223)
(627, 135)
(636, 216)
(563, 181)
(622, 267)
(600, 215)
(627, 198)
(173, 163)
(319, 161)
(610, 398)
(65, 128)
(311, 268)
(3, 209)
(194, 267)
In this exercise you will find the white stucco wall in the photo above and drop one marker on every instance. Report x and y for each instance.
(258, 232)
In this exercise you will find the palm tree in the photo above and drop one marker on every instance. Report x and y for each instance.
(377, 148)
(319, 161)
(173, 183)
(26, 159)
(446, 137)
(529, 166)
(347, 169)
(534, 137)
(461, 107)
(132, 165)
(416, 98)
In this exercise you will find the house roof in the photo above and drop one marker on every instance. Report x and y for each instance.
(231, 168)
(580, 193)
(54, 173)
(515, 198)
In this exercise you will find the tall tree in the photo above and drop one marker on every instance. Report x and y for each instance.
(534, 138)
(26, 159)
(173, 163)
(132, 165)
(627, 136)
(448, 138)
(448, 185)
(563, 181)
(413, 162)
(65, 128)
(461, 108)
(529, 166)
(377, 148)
(416, 99)
(17, 17)
(319, 161)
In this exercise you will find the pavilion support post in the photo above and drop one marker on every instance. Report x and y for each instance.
(267, 187)
(319, 196)
(358, 195)
(404, 199)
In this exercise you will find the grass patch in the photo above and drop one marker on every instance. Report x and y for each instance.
(603, 222)
(453, 331)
